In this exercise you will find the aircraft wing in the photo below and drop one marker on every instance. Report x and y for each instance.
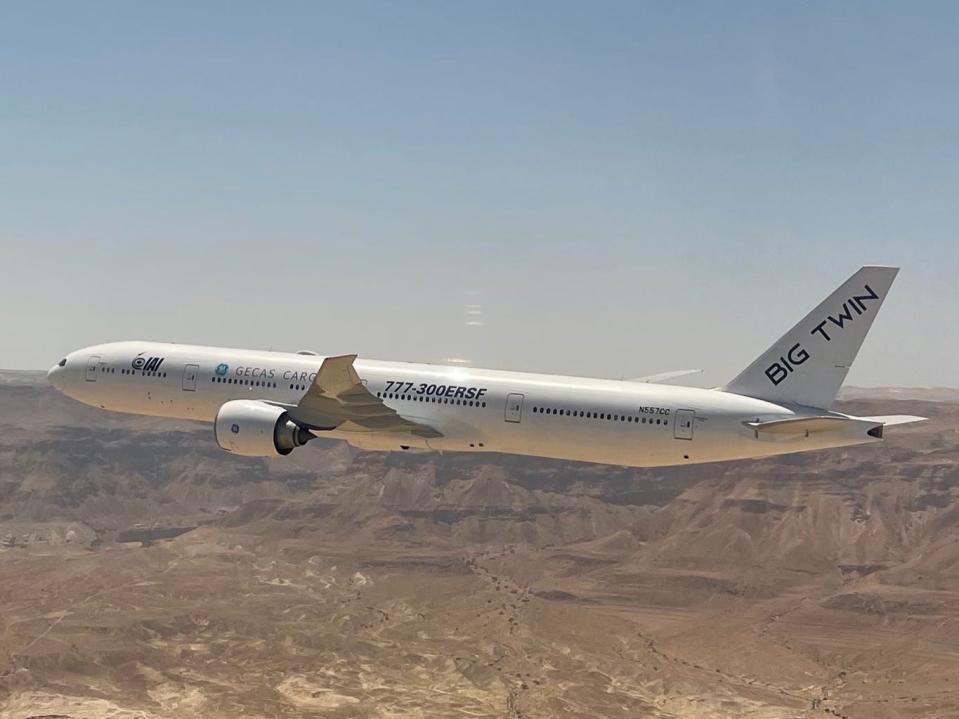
(338, 399)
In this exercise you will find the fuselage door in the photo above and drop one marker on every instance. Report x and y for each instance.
(683, 424)
(514, 407)
(92, 365)
(189, 377)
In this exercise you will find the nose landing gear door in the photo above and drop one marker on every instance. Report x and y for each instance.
(92, 365)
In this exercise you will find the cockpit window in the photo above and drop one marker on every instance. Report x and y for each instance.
(62, 363)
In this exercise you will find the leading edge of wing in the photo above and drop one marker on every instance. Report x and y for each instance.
(338, 399)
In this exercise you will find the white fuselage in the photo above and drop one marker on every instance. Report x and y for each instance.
(593, 420)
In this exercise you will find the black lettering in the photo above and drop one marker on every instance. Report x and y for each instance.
(844, 316)
(460, 391)
(776, 373)
(450, 390)
(431, 389)
(797, 355)
(871, 296)
(819, 328)
(471, 393)
(480, 392)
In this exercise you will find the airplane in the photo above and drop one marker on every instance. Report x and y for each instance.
(266, 404)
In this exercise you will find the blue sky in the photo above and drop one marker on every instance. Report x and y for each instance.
(624, 188)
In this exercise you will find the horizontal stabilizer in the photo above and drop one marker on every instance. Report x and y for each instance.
(889, 420)
(800, 425)
(665, 376)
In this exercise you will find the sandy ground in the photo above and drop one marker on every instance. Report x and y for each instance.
(341, 584)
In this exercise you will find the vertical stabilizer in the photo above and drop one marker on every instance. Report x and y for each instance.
(809, 363)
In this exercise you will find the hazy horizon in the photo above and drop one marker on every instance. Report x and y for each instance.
(610, 191)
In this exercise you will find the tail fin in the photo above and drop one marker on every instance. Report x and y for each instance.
(809, 363)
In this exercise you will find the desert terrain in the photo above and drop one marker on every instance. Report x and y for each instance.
(145, 574)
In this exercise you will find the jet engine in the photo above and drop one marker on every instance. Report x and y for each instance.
(257, 429)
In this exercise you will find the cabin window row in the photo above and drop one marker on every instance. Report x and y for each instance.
(609, 416)
(431, 400)
(142, 373)
(250, 383)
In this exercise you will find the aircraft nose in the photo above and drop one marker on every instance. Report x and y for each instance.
(57, 373)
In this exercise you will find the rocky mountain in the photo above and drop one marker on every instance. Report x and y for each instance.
(145, 573)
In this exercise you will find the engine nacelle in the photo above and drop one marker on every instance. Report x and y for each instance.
(257, 429)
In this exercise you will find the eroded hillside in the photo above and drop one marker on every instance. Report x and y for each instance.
(144, 573)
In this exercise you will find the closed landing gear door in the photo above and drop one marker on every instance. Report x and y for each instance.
(683, 424)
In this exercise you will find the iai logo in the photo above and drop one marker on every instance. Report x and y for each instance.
(221, 369)
(235, 428)
(146, 365)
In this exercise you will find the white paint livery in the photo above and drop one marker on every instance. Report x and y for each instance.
(269, 403)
